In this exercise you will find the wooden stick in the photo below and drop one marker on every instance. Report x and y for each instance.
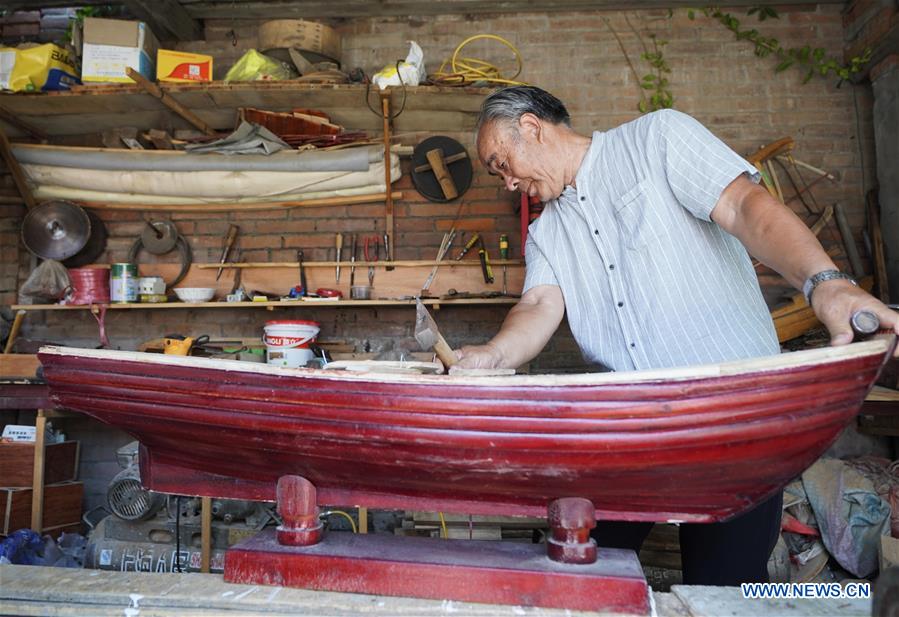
(18, 175)
(818, 171)
(154, 90)
(14, 331)
(774, 179)
(408, 263)
(229, 207)
(389, 227)
(878, 257)
(37, 478)
(785, 144)
(205, 533)
(12, 119)
(452, 158)
(855, 261)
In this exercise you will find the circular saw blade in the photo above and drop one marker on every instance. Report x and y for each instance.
(56, 229)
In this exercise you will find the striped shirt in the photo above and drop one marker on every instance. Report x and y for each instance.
(649, 281)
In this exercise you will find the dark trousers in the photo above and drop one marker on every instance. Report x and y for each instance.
(726, 553)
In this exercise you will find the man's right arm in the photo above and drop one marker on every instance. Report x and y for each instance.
(524, 333)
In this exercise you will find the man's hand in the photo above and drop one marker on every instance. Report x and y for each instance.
(480, 356)
(526, 330)
(834, 303)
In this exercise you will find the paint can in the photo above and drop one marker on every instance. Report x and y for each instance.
(287, 342)
(123, 283)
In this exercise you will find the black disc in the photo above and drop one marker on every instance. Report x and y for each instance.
(426, 181)
(96, 244)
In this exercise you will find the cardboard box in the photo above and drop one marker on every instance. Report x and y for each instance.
(62, 507)
(182, 67)
(112, 45)
(17, 463)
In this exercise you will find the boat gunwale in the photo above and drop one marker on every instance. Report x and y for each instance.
(879, 345)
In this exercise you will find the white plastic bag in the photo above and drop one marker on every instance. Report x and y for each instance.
(411, 70)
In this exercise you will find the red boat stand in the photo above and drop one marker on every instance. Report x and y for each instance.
(564, 574)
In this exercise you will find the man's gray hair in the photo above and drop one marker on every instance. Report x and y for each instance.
(509, 104)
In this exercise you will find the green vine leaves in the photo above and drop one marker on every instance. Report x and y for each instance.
(655, 91)
(812, 61)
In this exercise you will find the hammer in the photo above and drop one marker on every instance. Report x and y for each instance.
(429, 337)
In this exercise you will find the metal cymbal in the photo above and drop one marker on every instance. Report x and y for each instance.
(56, 229)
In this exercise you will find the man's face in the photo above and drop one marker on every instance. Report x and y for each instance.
(519, 156)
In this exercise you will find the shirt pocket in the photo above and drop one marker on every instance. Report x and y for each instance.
(633, 216)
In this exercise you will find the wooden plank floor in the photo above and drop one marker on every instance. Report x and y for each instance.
(64, 592)
(67, 592)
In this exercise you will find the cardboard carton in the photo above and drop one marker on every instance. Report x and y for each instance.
(112, 45)
(182, 67)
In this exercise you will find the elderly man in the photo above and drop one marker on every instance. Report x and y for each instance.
(641, 243)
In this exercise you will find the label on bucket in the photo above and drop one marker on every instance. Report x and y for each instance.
(287, 342)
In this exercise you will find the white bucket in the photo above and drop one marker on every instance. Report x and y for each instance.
(287, 342)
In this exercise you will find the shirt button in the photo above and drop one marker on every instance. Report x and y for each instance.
(620, 304)
(633, 345)
(595, 232)
(583, 198)
(611, 266)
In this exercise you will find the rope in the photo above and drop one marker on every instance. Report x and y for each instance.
(464, 71)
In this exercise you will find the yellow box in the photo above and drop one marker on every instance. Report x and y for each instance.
(182, 67)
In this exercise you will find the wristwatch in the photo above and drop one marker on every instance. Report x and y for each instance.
(825, 275)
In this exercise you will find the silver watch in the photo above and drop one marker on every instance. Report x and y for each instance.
(825, 275)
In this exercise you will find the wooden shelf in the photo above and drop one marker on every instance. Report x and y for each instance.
(90, 109)
(270, 305)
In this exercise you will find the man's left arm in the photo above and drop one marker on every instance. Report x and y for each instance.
(774, 235)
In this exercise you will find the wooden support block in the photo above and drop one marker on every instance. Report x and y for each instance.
(37, 484)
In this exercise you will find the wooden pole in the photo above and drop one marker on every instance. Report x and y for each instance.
(231, 206)
(15, 169)
(37, 479)
(855, 261)
(205, 533)
(12, 119)
(154, 90)
(408, 263)
(14, 331)
(385, 110)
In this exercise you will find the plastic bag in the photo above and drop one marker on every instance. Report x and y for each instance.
(46, 283)
(43, 67)
(411, 70)
(255, 66)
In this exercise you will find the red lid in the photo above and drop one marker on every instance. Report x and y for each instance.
(292, 322)
(328, 293)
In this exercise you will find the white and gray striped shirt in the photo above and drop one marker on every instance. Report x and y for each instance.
(649, 281)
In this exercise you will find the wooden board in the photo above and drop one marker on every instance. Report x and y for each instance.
(17, 463)
(90, 109)
(62, 507)
(18, 365)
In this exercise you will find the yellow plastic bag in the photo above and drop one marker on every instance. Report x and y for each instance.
(254, 66)
(44, 67)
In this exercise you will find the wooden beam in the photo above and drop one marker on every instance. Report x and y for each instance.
(167, 19)
(306, 9)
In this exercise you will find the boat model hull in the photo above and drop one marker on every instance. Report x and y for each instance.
(694, 445)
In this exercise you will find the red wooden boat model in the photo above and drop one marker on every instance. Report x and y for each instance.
(696, 444)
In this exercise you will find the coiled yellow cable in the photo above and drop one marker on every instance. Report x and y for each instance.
(464, 71)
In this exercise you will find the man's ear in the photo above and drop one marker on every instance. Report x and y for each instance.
(531, 126)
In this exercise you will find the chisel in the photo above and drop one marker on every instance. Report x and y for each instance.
(468, 245)
(504, 255)
(338, 242)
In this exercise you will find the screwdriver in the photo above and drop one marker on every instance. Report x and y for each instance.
(485, 264)
(468, 245)
(504, 254)
(353, 262)
(338, 242)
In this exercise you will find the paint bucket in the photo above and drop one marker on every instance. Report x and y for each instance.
(123, 283)
(287, 342)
